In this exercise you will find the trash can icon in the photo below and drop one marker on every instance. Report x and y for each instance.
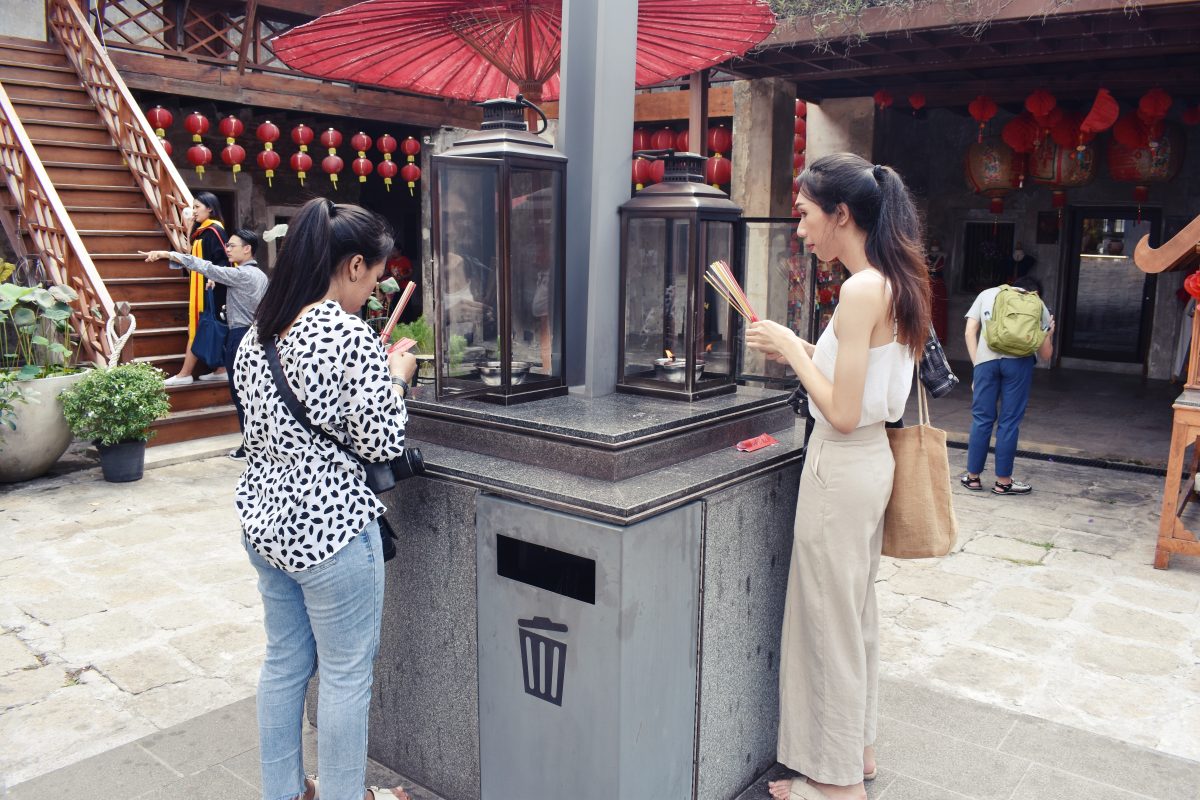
(543, 660)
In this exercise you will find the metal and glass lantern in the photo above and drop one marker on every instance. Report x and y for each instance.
(499, 206)
(677, 334)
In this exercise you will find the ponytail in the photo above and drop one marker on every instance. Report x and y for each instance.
(881, 205)
(321, 238)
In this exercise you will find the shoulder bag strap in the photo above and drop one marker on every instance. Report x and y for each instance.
(295, 406)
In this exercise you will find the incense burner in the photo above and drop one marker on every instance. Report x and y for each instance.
(673, 370)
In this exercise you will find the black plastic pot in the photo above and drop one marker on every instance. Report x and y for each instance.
(122, 462)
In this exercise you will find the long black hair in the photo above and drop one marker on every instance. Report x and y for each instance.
(320, 238)
(210, 201)
(882, 206)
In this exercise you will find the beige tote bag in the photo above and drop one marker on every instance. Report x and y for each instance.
(919, 521)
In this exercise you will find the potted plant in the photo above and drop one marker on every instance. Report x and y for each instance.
(38, 354)
(114, 408)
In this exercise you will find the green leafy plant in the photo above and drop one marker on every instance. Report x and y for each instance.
(116, 404)
(10, 395)
(36, 339)
(419, 331)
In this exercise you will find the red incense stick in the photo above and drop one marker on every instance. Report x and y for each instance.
(395, 317)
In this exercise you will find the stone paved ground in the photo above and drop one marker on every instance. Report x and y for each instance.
(126, 609)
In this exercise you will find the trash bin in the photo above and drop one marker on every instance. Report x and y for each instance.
(587, 654)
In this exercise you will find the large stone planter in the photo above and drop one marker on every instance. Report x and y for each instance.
(42, 433)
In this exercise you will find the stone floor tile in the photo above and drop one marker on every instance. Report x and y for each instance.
(1104, 760)
(123, 772)
(145, 669)
(933, 584)
(106, 634)
(214, 783)
(1132, 623)
(1080, 563)
(1178, 733)
(906, 788)
(1086, 542)
(987, 675)
(1032, 602)
(1018, 636)
(63, 607)
(1121, 659)
(1060, 580)
(206, 740)
(957, 717)
(924, 614)
(15, 654)
(943, 761)
(31, 685)
(1042, 782)
(174, 703)
(215, 648)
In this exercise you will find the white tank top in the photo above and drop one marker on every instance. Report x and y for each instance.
(889, 377)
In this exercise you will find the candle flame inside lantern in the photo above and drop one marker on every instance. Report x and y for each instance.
(669, 353)
(708, 348)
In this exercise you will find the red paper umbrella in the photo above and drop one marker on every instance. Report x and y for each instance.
(269, 161)
(332, 165)
(982, 109)
(883, 99)
(663, 139)
(161, 119)
(196, 124)
(302, 164)
(362, 167)
(641, 173)
(1101, 117)
(410, 174)
(720, 140)
(480, 49)
(233, 155)
(198, 156)
(302, 135)
(388, 170)
(641, 139)
(411, 147)
(718, 171)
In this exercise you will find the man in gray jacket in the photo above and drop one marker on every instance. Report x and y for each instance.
(247, 284)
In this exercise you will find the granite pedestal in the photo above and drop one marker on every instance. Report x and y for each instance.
(629, 467)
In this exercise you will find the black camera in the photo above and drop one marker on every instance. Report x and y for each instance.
(382, 475)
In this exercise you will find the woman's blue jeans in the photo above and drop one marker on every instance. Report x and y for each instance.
(330, 613)
(1003, 381)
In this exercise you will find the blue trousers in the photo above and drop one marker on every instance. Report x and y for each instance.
(232, 340)
(1000, 396)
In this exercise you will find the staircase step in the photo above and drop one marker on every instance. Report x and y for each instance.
(41, 91)
(114, 217)
(201, 394)
(159, 341)
(130, 265)
(86, 132)
(148, 290)
(75, 172)
(181, 426)
(169, 364)
(59, 112)
(118, 241)
(13, 69)
(84, 195)
(32, 52)
(160, 314)
(98, 154)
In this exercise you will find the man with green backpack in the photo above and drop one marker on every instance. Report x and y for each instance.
(1016, 329)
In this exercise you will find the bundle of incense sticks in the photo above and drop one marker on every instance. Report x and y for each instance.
(720, 277)
(395, 317)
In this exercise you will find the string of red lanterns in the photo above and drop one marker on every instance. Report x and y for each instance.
(268, 159)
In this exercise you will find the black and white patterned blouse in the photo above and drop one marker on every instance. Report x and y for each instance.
(301, 498)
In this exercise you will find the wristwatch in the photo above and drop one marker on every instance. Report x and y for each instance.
(403, 384)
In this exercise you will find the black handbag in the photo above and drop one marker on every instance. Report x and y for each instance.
(208, 344)
(935, 373)
(381, 475)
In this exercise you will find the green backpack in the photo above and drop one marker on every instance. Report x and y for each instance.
(1015, 328)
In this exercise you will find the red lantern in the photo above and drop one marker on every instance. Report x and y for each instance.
(883, 99)
(301, 163)
(411, 147)
(331, 139)
(1152, 110)
(231, 127)
(199, 156)
(1130, 133)
(388, 170)
(1040, 104)
(718, 171)
(1063, 167)
(720, 140)
(361, 143)
(1020, 133)
(332, 164)
(799, 143)
(801, 108)
(196, 124)
(233, 155)
(362, 168)
(641, 173)
(1191, 116)
(990, 172)
(801, 126)
(917, 101)
(387, 145)
(269, 161)
(302, 135)
(410, 174)
(657, 171)
(681, 142)
(797, 163)
(663, 139)
(641, 139)
(1191, 284)
(268, 134)
(1066, 132)
(1145, 164)
(166, 146)
(982, 109)
(161, 119)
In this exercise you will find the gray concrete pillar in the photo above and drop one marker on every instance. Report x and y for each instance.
(596, 133)
(24, 19)
(841, 125)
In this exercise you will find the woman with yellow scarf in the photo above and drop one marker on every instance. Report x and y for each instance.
(207, 235)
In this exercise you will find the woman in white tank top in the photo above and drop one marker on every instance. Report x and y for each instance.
(857, 376)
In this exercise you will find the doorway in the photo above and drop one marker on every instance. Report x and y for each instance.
(1108, 303)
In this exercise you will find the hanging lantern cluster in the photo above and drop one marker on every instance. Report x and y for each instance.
(362, 165)
(883, 99)
(982, 109)
(268, 159)
(718, 169)
(233, 154)
(198, 155)
(799, 148)
(301, 162)
(332, 164)
(388, 170)
(410, 173)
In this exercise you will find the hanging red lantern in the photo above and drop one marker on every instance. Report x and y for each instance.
(917, 101)
(268, 134)
(199, 156)
(1020, 133)
(388, 169)
(1066, 132)
(657, 171)
(1130, 132)
(797, 163)
(361, 143)
(720, 140)
(1040, 104)
(332, 165)
(166, 146)
(269, 161)
(331, 139)
(801, 108)
(1153, 108)
(1191, 284)
(641, 139)
(681, 142)
(233, 155)
(161, 119)
(795, 188)
(1144, 164)
(231, 127)
(718, 171)
(641, 173)
(196, 124)
(302, 135)
(799, 143)
(1191, 116)
(1061, 166)
(410, 174)
(990, 171)
(883, 99)
(663, 139)
(362, 168)
(411, 147)
(801, 126)
(301, 163)
(982, 109)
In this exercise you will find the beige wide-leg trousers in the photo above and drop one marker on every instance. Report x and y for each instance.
(829, 657)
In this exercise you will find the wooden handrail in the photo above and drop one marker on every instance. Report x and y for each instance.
(53, 234)
(1182, 251)
(152, 169)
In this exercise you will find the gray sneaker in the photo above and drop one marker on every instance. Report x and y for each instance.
(1016, 487)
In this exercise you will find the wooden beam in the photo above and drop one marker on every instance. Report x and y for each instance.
(150, 73)
(698, 113)
(249, 34)
(668, 106)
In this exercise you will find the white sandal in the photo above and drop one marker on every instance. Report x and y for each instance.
(388, 794)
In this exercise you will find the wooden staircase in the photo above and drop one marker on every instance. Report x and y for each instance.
(114, 220)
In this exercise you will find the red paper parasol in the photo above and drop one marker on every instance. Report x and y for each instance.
(480, 49)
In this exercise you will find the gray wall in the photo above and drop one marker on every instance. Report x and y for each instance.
(24, 19)
(929, 153)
